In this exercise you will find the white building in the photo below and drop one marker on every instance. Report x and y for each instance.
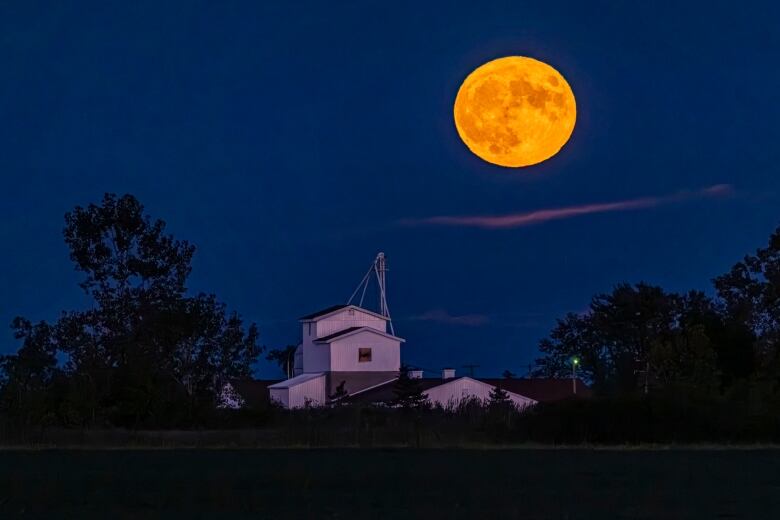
(347, 351)
(345, 347)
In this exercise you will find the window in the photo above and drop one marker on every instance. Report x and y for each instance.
(364, 355)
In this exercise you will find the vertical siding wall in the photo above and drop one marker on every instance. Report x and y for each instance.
(343, 320)
(316, 358)
(313, 390)
(452, 393)
(296, 396)
(385, 353)
(281, 396)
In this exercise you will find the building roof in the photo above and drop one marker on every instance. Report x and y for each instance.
(354, 330)
(297, 380)
(386, 392)
(323, 312)
(541, 389)
(358, 382)
(367, 387)
(335, 335)
(335, 308)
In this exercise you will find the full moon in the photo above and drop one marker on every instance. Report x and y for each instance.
(515, 111)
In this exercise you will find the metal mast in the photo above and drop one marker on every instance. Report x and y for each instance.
(379, 268)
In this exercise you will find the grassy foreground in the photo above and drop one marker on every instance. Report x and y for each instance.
(388, 483)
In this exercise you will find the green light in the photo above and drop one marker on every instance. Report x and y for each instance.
(576, 361)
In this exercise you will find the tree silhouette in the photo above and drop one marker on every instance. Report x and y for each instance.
(339, 394)
(408, 391)
(617, 340)
(499, 397)
(284, 358)
(145, 353)
(750, 292)
(26, 378)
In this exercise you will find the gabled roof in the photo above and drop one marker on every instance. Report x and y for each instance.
(336, 308)
(323, 312)
(482, 382)
(358, 382)
(542, 389)
(335, 335)
(354, 330)
(297, 380)
(386, 393)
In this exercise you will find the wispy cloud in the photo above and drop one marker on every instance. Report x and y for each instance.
(442, 316)
(531, 218)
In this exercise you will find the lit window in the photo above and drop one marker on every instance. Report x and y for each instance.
(364, 355)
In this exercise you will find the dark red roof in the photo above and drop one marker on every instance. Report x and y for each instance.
(542, 390)
(386, 392)
(355, 382)
(255, 392)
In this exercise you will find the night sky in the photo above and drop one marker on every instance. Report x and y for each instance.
(292, 141)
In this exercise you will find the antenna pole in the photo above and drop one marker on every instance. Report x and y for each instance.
(381, 270)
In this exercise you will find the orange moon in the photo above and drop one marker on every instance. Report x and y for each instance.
(515, 111)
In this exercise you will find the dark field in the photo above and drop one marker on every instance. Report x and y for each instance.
(332, 483)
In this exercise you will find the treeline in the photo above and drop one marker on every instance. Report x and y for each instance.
(641, 339)
(665, 367)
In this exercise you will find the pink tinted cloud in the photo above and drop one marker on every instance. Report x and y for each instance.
(544, 215)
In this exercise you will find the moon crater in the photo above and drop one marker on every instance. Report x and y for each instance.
(515, 111)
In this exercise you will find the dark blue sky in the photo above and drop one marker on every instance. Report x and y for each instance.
(287, 140)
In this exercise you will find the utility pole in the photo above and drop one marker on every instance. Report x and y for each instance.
(290, 362)
(574, 362)
(471, 369)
